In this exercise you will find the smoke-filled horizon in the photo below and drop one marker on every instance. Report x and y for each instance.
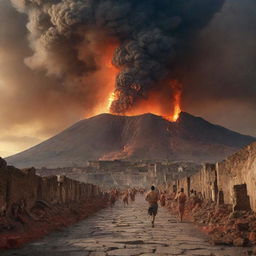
(55, 54)
(151, 36)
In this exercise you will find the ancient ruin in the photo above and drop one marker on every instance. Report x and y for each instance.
(123, 174)
(231, 181)
(30, 204)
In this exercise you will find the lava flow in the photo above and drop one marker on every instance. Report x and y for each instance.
(176, 102)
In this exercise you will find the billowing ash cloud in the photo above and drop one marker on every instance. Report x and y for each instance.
(153, 36)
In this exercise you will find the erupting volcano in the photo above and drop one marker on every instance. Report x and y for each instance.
(120, 57)
(165, 103)
(127, 59)
(153, 104)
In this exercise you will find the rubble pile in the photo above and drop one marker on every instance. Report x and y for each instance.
(223, 225)
(22, 226)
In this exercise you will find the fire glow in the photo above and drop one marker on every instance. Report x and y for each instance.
(177, 108)
(165, 103)
(104, 78)
(176, 102)
(154, 104)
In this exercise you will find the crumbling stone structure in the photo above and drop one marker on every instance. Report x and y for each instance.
(124, 174)
(21, 189)
(231, 181)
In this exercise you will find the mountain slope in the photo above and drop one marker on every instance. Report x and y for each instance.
(146, 136)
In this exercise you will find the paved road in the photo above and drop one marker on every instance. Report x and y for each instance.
(126, 232)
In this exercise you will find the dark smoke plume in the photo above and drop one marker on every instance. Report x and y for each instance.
(152, 34)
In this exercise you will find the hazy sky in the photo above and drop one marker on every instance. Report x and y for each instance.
(219, 80)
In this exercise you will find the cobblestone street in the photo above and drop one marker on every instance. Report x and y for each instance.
(126, 231)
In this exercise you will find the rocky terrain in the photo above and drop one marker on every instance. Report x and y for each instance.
(44, 218)
(145, 136)
(223, 225)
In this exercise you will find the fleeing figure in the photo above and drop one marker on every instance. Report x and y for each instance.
(126, 198)
(112, 198)
(162, 199)
(152, 197)
(132, 195)
(181, 198)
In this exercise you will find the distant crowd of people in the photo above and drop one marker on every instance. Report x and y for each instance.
(130, 193)
(127, 195)
(155, 196)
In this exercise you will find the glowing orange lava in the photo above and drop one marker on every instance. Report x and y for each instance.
(110, 73)
(177, 108)
(159, 103)
(111, 98)
(176, 102)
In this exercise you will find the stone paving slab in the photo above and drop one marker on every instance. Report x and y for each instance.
(126, 232)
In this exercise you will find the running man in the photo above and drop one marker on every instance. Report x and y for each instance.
(113, 198)
(152, 197)
(181, 197)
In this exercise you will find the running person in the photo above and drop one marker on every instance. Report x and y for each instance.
(125, 198)
(112, 198)
(152, 197)
(181, 197)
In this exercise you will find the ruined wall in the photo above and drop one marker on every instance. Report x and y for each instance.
(202, 181)
(48, 189)
(232, 177)
(196, 182)
(22, 188)
(239, 168)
